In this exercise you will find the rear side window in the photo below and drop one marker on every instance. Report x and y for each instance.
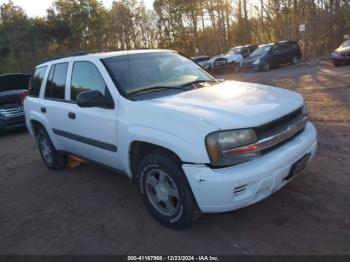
(284, 47)
(35, 83)
(294, 46)
(56, 81)
(86, 77)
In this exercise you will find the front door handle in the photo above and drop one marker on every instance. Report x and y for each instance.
(43, 109)
(71, 115)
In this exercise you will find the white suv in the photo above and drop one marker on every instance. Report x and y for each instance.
(189, 142)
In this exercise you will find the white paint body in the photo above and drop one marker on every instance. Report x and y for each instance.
(180, 123)
(234, 58)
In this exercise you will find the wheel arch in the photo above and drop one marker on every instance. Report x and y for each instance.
(35, 125)
(138, 149)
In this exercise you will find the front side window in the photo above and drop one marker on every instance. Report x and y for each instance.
(136, 72)
(36, 81)
(56, 81)
(86, 77)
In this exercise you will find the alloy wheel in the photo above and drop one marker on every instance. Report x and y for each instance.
(45, 149)
(162, 192)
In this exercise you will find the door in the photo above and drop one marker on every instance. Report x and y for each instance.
(276, 56)
(286, 53)
(52, 106)
(92, 131)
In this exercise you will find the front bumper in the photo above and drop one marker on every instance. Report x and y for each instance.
(227, 189)
(12, 122)
(341, 59)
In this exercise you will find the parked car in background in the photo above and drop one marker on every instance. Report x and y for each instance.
(189, 142)
(237, 54)
(13, 89)
(341, 55)
(201, 60)
(212, 62)
(232, 59)
(272, 55)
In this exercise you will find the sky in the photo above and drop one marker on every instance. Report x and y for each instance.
(38, 7)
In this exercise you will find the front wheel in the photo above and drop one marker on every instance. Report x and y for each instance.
(165, 191)
(266, 66)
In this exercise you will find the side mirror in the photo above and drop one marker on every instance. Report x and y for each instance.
(92, 99)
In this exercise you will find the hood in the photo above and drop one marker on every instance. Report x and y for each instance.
(233, 104)
(343, 49)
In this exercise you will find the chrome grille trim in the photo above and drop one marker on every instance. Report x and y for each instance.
(274, 140)
(12, 112)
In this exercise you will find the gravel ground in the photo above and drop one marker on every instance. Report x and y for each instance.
(91, 210)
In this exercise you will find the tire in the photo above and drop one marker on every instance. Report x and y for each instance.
(295, 60)
(165, 191)
(266, 66)
(52, 159)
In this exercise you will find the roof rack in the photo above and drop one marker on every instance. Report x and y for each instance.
(60, 56)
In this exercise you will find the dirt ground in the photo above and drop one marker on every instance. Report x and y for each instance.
(90, 210)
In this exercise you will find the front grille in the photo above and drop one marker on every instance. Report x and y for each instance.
(278, 125)
(12, 112)
(278, 132)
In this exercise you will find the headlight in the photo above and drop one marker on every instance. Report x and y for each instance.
(257, 61)
(335, 54)
(224, 147)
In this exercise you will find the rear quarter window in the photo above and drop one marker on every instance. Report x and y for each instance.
(36, 81)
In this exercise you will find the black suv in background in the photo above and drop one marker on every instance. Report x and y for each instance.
(271, 55)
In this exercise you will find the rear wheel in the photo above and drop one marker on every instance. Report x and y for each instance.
(295, 60)
(165, 191)
(52, 158)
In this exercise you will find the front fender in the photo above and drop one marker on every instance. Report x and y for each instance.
(187, 151)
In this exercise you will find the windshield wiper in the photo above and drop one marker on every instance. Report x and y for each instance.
(198, 82)
(155, 88)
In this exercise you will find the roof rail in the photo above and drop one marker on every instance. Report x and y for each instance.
(60, 56)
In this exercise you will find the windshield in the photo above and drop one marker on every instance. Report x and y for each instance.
(136, 72)
(234, 51)
(261, 50)
(346, 43)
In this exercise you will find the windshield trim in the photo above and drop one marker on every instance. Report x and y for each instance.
(128, 96)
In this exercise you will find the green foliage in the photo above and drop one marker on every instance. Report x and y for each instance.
(189, 26)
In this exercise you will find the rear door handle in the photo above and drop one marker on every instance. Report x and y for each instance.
(71, 115)
(43, 109)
